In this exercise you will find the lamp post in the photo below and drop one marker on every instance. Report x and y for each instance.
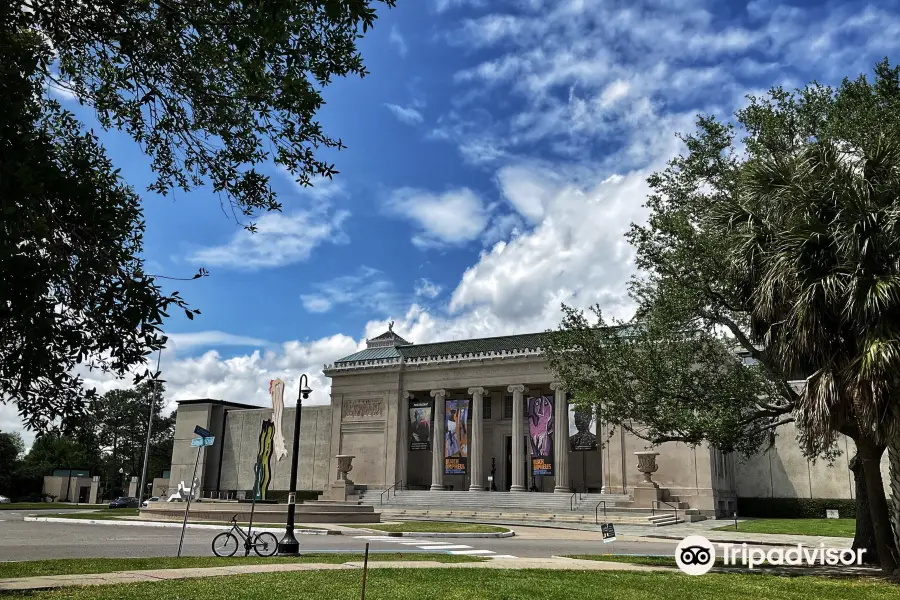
(289, 544)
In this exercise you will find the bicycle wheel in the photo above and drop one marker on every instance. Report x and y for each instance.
(265, 544)
(224, 544)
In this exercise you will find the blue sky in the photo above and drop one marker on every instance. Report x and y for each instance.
(495, 156)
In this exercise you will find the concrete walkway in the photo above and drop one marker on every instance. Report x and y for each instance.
(58, 581)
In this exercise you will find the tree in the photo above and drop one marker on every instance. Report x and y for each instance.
(819, 236)
(11, 450)
(210, 91)
(683, 252)
(665, 384)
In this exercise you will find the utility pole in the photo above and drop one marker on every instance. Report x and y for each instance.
(153, 398)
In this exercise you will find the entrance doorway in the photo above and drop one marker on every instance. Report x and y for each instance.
(507, 444)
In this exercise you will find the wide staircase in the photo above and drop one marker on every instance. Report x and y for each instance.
(524, 506)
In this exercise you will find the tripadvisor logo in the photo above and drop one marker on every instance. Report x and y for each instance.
(696, 555)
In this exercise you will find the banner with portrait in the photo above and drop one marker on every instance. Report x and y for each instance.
(421, 413)
(582, 429)
(456, 436)
(540, 434)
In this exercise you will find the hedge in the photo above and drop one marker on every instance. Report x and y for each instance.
(794, 508)
(282, 495)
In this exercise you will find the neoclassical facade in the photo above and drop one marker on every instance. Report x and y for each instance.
(480, 414)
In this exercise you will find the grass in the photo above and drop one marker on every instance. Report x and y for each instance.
(115, 514)
(46, 505)
(75, 566)
(636, 559)
(432, 527)
(824, 527)
(453, 584)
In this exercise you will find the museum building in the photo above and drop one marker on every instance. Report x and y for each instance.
(477, 415)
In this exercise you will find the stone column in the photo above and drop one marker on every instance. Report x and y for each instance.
(518, 435)
(437, 444)
(403, 450)
(476, 441)
(561, 440)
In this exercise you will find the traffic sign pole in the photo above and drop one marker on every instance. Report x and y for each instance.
(206, 439)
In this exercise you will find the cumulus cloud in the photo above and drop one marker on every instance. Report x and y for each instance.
(367, 289)
(280, 239)
(427, 289)
(408, 115)
(452, 218)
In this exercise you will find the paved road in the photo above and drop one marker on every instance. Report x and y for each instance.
(20, 540)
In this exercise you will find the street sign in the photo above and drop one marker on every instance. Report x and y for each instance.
(832, 514)
(203, 441)
(199, 431)
(609, 532)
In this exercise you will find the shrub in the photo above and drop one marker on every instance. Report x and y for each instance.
(794, 508)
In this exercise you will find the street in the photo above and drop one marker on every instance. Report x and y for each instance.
(21, 540)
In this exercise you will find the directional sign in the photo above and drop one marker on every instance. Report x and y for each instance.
(199, 431)
(197, 442)
(208, 441)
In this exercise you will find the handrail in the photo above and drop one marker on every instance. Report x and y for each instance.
(388, 492)
(653, 507)
(572, 501)
(596, 520)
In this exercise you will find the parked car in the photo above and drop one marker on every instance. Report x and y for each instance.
(124, 502)
(147, 502)
(4, 500)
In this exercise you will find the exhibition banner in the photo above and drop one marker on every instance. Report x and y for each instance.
(420, 415)
(540, 434)
(582, 429)
(456, 442)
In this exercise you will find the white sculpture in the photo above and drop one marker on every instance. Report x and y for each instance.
(276, 390)
(183, 493)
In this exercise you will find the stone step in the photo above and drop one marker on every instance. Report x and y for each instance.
(394, 513)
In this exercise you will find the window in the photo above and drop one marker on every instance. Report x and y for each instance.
(507, 407)
(486, 406)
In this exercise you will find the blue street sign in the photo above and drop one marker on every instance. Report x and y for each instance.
(204, 441)
(208, 441)
(197, 442)
(199, 431)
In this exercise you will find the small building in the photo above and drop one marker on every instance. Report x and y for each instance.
(478, 414)
(71, 485)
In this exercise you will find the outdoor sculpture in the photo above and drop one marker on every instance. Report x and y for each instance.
(182, 494)
(276, 390)
(263, 465)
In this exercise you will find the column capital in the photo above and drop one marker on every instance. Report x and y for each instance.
(556, 386)
(408, 395)
(436, 393)
(476, 391)
(517, 387)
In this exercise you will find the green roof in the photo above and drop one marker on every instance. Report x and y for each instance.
(371, 354)
(474, 346)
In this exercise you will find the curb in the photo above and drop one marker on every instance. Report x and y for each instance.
(436, 534)
(721, 541)
(171, 525)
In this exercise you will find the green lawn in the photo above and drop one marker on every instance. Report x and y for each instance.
(433, 526)
(635, 559)
(46, 505)
(456, 584)
(73, 566)
(825, 527)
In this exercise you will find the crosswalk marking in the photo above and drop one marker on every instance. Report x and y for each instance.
(447, 547)
(433, 545)
(471, 552)
(503, 556)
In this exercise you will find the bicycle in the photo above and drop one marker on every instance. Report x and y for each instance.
(226, 544)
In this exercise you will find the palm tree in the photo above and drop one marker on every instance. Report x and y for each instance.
(818, 234)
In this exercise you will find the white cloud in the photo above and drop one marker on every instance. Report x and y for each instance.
(396, 38)
(445, 5)
(368, 289)
(407, 115)
(207, 339)
(452, 218)
(280, 239)
(427, 289)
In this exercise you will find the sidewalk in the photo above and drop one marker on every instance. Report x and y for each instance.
(58, 581)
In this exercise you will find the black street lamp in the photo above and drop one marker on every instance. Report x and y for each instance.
(289, 544)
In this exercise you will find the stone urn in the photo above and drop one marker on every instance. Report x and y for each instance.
(647, 465)
(344, 466)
